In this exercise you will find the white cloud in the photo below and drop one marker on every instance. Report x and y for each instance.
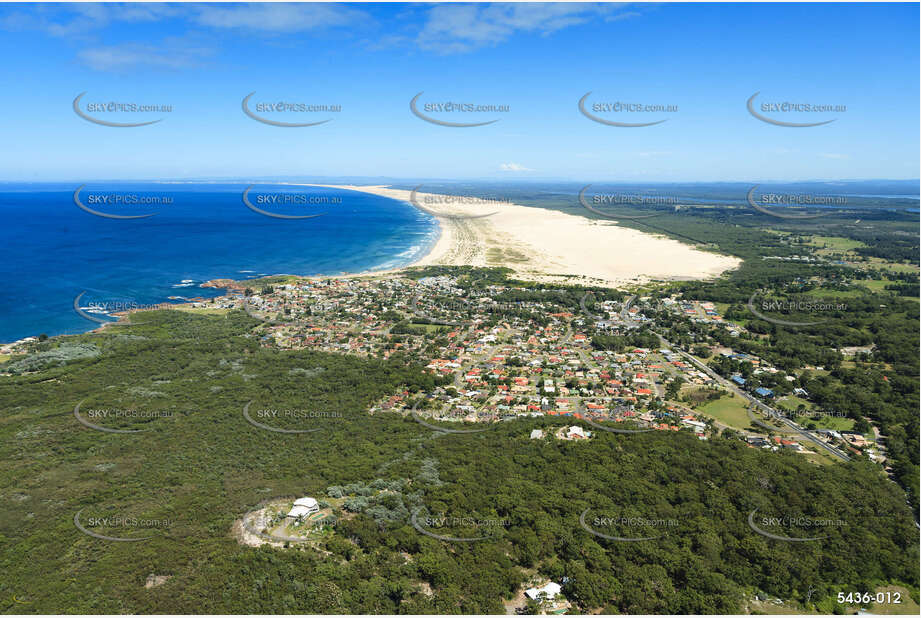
(835, 155)
(654, 153)
(457, 28)
(277, 17)
(83, 19)
(514, 167)
(171, 54)
(623, 16)
(442, 28)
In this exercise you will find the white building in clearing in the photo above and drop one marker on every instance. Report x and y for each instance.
(303, 507)
(697, 425)
(549, 591)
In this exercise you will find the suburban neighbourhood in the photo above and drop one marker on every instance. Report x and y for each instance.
(496, 360)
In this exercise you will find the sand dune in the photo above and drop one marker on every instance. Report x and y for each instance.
(546, 245)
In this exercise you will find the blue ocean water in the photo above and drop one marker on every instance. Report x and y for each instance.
(51, 250)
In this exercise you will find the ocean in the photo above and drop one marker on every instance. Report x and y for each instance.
(52, 250)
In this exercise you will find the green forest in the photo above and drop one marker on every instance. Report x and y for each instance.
(197, 466)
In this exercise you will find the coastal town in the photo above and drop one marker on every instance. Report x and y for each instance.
(501, 352)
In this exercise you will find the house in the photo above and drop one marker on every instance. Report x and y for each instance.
(693, 424)
(764, 392)
(303, 507)
(738, 380)
(577, 433)
(537, 434)
(548, 591)
(854, 438)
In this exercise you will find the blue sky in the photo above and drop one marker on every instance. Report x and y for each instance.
(539, 60)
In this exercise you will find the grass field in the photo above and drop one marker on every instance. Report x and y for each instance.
(431, 328)
(732, 411)
(837, 423)
(875, 285)
(893, 266)
(827, 293)
(791, 403)
(820, 457)
(907, 606)
(201, 310)
(835, 243)
(270, 280)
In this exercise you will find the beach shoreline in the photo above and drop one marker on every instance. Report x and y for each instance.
(545, 245)
(537, 244)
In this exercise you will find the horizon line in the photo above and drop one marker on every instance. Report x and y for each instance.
(244, 179)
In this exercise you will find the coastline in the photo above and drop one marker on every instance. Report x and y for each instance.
(536, 244)
(546, 245)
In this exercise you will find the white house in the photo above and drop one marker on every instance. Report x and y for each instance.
(549, 591)
(694, 424)
(536, 434)
(303, 507)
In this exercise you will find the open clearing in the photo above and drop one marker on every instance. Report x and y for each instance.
(731, 411)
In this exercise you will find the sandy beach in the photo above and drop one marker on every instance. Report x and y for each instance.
(546, 245)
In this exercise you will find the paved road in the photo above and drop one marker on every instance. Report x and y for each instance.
(459, 374)
(623, 312)
(771, 412)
